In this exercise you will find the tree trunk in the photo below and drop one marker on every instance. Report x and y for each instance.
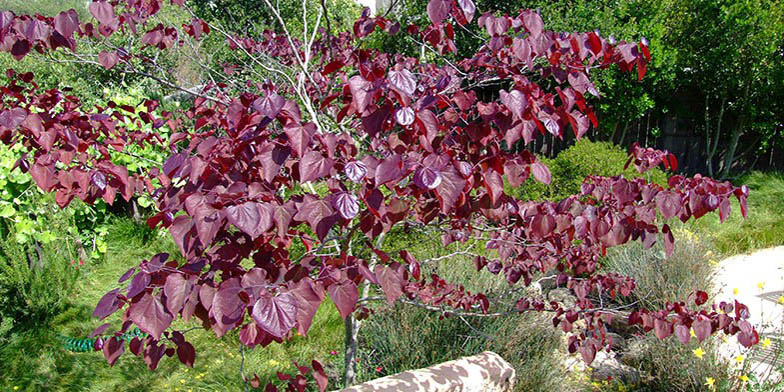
(712, 144)
(137, 216)
(352, 332)
(730, 157)
(352, 325)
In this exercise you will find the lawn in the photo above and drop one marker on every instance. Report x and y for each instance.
(33, 357)
(762, 228)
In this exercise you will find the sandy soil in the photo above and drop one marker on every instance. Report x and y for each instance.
(757, 280)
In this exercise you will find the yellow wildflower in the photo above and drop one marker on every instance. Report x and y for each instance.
(765, 343)
(761, 285)
(182, 381)
(698, 352)
(710, 382)
(744, 378)
(735, 291)
(691, 332)
(781, 299)
(739, 358)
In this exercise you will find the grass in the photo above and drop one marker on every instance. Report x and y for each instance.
(764, 225)
(32, 358)
(46, 7)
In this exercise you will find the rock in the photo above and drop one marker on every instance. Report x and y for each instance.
(617, 342)
(606, 366)
(632, 355)
(485, 372)
(620, 325)
(563, 296)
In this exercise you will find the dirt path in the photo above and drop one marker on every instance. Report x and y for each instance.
(757, 280)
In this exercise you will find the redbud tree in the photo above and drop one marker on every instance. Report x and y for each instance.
(396, 141)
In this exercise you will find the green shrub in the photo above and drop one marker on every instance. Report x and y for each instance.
(572, 165)
(36, 277)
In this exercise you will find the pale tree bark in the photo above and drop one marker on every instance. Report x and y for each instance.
(352, 326)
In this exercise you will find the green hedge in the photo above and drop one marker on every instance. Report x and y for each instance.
(571, 166)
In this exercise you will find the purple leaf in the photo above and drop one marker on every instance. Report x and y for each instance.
(108, 59)
(276, 315)
(227, 305)
(270, 105)
(99, 180)
(252, 218)
(138, 284)
(702, 328)
(682, 333)
(99, 330)
(177, 289)
(374, 123)
(107, 305)
(112, 349)
(669, 240)
(427, 178)
(662, 328)
(314, 166)
(361, 92)
(438, 10)
(543, 224)
(403, 81)
(300, 136)
(391, 169)
(126, 275)
(533, 23)
(345, 296)
(346, 204)
(405, 116)
(66, 23)
(448, 192)
(150, 316)
(515, 101)
(309, 295)
(186, 353)
(541, 172)
(102, 11)
(12, 118)
(391, 282)
(468, 8)
(356, 171)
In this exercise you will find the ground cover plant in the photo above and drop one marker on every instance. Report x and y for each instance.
(279, 187)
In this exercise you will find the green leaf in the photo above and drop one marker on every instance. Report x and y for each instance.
(8, 211)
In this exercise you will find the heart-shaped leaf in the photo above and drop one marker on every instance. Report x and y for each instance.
(276, 315)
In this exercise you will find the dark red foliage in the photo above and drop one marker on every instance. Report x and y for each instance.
(432, 153)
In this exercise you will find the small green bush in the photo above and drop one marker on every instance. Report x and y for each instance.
(36, 277)
(571, 166)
